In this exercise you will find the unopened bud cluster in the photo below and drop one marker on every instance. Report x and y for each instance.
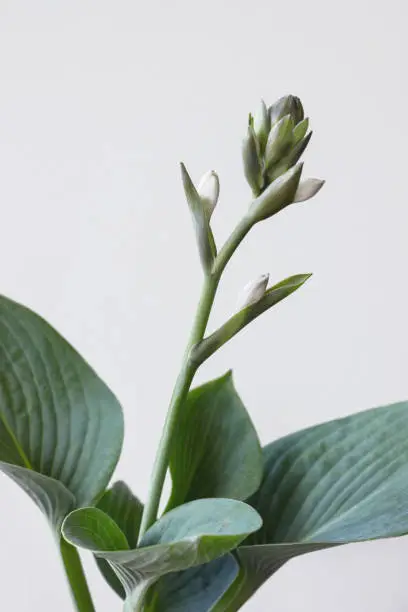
(276, 139)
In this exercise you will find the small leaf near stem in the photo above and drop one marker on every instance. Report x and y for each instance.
(275, 294)
(205, 438)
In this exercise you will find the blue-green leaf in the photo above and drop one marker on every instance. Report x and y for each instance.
(126, 510)
(198, 588)
(340, 482)
(190, 535)
(50, 495)
(215, 450)
(59, 423)
(93, 529)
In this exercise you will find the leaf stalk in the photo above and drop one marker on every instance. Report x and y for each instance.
(76, 577)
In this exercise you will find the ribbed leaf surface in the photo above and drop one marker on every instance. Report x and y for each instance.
(57, 418)
(340, 482)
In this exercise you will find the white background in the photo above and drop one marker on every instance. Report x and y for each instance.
(99, 102)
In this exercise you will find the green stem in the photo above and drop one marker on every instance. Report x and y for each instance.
(186, 375)
(76, 577)
(231, 245)
(182, 386)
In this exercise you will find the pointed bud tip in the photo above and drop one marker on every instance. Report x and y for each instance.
(264, 277)
(206, 177)
(183, 170)
(185, 177)
(262, 106)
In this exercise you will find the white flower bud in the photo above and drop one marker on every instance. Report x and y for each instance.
(253, 291)
(279, 194)
(209, 190)
(307, 189)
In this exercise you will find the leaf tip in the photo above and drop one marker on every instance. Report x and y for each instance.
(228, 376)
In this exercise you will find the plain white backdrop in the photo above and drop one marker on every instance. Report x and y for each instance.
(99, 102)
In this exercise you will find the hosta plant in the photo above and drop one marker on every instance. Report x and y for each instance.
(236, 512)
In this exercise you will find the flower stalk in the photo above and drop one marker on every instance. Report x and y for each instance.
(188, 370)
(274, 143)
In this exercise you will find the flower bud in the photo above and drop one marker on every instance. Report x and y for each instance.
(253, 291)
(299, 131)
(297, 111)
(290, 159)
(251, 159)
(262, 124)
(287, 105)
(209, 191)
(205, 238)
(307, 189)
(279, 194)
(279, 140)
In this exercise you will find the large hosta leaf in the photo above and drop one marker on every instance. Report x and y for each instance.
(340, 482)
(61, 428)
(215, 451)
(189, 535)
